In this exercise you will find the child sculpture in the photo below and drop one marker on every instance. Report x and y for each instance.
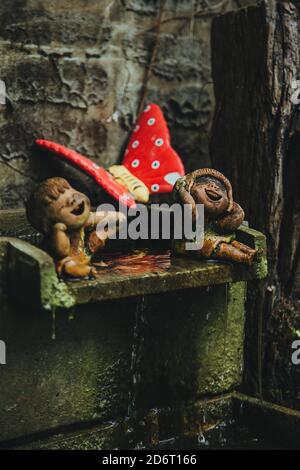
(222, 216)
(63, 215)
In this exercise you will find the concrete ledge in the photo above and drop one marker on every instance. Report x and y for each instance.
(280, 424)
(31, 276)
(160, 424)
(267, 418)
(32, 270)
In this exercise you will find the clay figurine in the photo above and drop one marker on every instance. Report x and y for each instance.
(222, 216)
(63, 215)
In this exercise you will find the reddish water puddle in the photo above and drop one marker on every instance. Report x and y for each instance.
(135, 262)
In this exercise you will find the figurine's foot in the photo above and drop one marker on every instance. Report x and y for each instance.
(244, 248)
(255, 254)
(232, 253)
(252, 253)
(73, 269)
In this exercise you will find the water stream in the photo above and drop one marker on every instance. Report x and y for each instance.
(134, 421)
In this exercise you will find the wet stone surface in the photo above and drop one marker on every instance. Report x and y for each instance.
(118, 358)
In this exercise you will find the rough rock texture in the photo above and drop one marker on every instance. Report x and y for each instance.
(74, 72)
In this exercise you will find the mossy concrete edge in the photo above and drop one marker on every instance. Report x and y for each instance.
(53, 292)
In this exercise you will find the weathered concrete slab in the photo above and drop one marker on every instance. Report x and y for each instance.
(82, 375)
(181, 275)
(118, 358)
(31, 268)
(279, 425)
(159, 425)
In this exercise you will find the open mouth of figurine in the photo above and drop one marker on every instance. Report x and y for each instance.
(212, 195)
(79, 210)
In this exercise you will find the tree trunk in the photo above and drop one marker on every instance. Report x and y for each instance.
(256, 143)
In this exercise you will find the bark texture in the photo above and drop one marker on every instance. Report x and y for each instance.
(256, 143)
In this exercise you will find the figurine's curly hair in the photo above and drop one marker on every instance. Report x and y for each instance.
(46, 192)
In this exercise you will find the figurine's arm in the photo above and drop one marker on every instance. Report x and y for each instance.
(59, 241)
(231, 222)
(100, 216)
(105, 217)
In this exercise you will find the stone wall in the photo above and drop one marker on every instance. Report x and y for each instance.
(74, 72)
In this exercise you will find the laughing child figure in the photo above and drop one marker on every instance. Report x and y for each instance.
(63, 215)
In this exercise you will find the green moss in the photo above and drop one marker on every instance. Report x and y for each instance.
(54, 293)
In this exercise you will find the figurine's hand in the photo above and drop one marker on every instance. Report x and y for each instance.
(108, 223)
(59, 227)
(95, 243)
(231, 222)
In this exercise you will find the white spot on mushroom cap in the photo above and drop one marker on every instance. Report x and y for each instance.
(159, 142)
(155, 165)
(155, 187)
(135, 163)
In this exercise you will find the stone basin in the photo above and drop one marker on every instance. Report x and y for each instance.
(42, 286)
(152, 331)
